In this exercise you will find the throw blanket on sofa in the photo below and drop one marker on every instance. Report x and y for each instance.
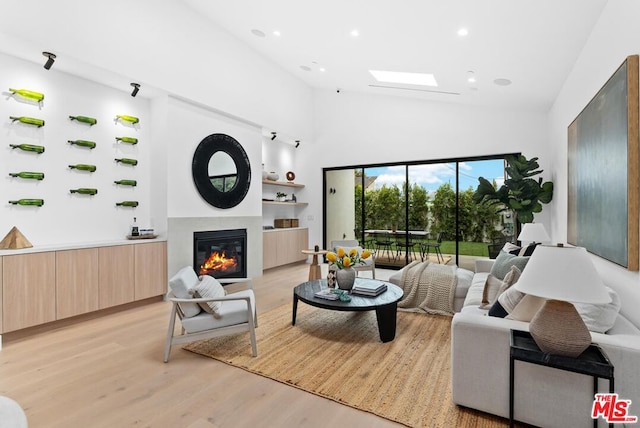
(428, 287)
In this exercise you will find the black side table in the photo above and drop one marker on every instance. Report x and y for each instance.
(592, 362)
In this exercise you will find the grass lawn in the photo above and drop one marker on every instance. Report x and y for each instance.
(466, 248)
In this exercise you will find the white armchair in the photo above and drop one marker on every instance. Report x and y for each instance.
(348, 244)
(234, 312)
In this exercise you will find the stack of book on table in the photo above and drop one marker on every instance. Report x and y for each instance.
(326, 294)
(368, 287)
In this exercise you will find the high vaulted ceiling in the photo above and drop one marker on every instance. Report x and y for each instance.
(532, 43)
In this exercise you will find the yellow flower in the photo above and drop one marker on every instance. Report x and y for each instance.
(346, 261)
(341, 252)
(353, 252)
(365, 254)
(331, 256)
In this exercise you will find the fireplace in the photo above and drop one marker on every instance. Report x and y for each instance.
(220, 253)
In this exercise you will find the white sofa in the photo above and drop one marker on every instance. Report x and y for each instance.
(544, 396)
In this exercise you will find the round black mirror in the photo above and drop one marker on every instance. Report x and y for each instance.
(221, 171)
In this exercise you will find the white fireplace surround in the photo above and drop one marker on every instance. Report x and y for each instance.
(180, 239)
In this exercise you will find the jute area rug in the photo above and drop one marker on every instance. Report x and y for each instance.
(338, 355)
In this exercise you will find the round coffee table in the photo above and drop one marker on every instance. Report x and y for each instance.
(385, 304)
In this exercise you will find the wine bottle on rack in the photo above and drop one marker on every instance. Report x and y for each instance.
(83, 167)
(84, 191)
(127, 204)
(130, 140)
(84, 119)
(26, 202)
(28, 175)
(126, 182)
(28, 147)
(125, 118)
(28, 120)
(127, 161)
(82, 143)
(30, 95)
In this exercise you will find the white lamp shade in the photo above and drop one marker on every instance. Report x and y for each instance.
(562, 273)
(533, 232)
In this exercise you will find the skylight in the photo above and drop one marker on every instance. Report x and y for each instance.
(422, 79)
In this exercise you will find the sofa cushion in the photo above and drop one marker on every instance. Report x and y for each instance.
(600, 318)
(209, 287)
(524, 251)
(490, 291)
(508, 296)
(181, 284)
(503, 264)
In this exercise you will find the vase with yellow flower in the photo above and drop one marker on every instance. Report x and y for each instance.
(344, 262)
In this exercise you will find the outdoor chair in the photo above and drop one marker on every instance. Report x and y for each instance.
(404, 244)
(427, 246)
(383, 243)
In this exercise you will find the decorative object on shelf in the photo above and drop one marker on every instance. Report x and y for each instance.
(28, 202)
(83, 167)
(264, 173)
(28, 147)
(344, 262)
(331, 276)
(84, 191)
(129, 140)
(132, 204)
(561, 275)
(84, 119)
(28, 175)
(280, 196)
(134, 228)
(217, 161)
(293, 198)
(27, 120)
(82, 143)
(126, 182)
(27, 94)
(127, 161)
(290, 176)
(129, 119)
(272, 176)
(14, 240)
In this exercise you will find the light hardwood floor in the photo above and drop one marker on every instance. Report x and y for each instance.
(108, 372)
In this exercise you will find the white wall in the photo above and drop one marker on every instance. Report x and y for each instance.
(355, 129)
(615, 36)
(67, 218)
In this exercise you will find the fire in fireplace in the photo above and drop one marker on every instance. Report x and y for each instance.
(220, 253)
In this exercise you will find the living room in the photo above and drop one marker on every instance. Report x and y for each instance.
(200, 79)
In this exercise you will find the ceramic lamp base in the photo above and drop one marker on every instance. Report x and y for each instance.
(558, 329)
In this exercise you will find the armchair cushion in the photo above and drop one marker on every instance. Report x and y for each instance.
(231, 313)
(181, 284)
(209, 288)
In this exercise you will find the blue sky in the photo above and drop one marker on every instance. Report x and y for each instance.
(431, 176)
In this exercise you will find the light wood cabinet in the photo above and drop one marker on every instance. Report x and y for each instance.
(76, 282)
(116, 278)
(1, 329)
(28, 290)
(281, 247)
(150, 270)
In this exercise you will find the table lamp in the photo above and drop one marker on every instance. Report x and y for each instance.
(561, 275)
(534, 233)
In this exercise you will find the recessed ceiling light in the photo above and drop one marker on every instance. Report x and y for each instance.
(355, 33)
(422, 79)
(463, 32)
(305, 68)
(277, 33)
(257, 33)
(471, 77)
(322, 69)
(502, 82)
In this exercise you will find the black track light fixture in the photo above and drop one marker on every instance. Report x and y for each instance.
(51, 58)
(297, 143)
(273, 136)
(136, 88)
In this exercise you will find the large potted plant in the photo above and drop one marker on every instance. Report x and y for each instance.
(520, 192)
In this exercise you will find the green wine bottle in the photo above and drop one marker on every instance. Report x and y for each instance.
(28, 147)
(127, 204)
(129, 140)
(125, 118)
(36, 202)
(126, 182)
(28, 175)
(85, 119)
(127, 161)
(30, 95)
(84, 191)
(82, 143)
(28, 120)
(83, 167)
